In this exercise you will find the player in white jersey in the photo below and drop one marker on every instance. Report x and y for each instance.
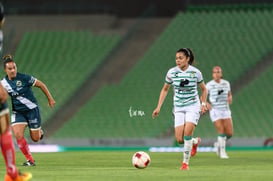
(185, 79)
(220, 98)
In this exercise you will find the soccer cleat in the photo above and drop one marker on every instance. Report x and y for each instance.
(26, 176)
(29, 163)
(194, 147)
(184, 166)
(217, 148)
(223, 155)
(41, 134)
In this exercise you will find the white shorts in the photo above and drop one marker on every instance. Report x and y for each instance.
(180, 118)
(216, 114)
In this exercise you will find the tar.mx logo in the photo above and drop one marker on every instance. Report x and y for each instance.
(135, 112)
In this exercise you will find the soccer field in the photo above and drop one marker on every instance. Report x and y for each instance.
(116, 165)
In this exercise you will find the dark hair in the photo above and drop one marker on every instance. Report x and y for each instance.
(7, 59)
(188, 52)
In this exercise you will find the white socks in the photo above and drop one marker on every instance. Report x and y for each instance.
(222, 146)
(222, 143)
(187, 150)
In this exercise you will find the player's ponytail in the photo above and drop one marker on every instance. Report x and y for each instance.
(6, 59)
(188, 52)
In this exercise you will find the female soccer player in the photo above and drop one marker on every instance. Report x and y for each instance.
(184, 77)
(7, 146)
(25, 108)
(219, 100)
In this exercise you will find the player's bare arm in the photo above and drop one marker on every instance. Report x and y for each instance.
(229, 98)
(43, 87)
(203, 97)
(162, 96)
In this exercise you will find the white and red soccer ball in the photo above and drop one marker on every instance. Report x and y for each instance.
(141, 159)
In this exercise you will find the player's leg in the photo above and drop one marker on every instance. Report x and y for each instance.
(36, 132)
(216, 144)
(228, 127)
(179, 124)
(179, 134)
(19, 124)
(18, 131)
(221, 139)
(225, 132)
(179, 118)
(215, 116)
(8, 152)
(188, 143)
(228, 132)
(193, 116)
(7, 146)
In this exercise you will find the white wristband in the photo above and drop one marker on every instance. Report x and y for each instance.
(203, 104)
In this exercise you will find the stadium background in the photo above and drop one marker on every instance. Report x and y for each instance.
(105, 62)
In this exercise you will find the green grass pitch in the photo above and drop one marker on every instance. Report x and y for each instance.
(116, 166)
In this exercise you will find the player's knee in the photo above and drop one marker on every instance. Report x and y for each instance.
(35, 138)
(35, 135)
(18, 135)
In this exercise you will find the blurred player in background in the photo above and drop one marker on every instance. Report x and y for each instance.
(219, 100)
(2, 20)
(185, 79)
(7, 146)
(25, 107)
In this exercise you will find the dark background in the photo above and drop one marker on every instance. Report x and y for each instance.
(121, 8)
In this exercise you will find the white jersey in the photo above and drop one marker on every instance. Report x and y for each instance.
(218, 94)
(185, 85)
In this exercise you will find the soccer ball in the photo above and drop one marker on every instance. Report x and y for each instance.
(141, 159)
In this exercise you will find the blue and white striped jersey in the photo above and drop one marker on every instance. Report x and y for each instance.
(20, 91)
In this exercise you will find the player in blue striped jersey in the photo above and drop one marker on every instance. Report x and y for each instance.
(220, 98)
(25, 107)
(185, 80)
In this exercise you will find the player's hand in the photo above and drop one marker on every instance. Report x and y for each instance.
(204, 109)
(156, 112)
(51, 103)
(208, 106)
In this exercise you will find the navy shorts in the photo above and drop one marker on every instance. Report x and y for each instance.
(32, 118)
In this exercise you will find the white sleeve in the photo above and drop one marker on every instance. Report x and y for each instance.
(168, 78)
(199, 77)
